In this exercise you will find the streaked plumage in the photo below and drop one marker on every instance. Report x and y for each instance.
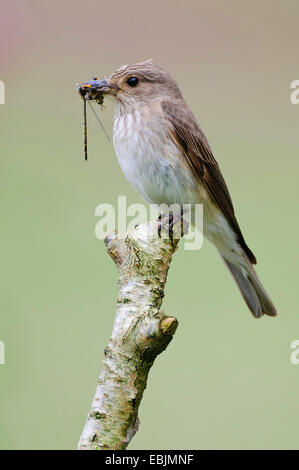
(167, 159)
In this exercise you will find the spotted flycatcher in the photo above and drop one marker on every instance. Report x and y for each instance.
(166, 157)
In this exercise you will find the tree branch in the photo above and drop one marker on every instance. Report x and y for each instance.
(141, 332)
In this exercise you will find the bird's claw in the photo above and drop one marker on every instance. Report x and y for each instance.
(171, 220)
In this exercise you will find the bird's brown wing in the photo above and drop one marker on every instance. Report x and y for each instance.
(188, 136)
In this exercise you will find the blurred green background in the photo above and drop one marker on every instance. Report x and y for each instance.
(226, 380)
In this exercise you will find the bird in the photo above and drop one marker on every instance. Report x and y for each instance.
(166, 157)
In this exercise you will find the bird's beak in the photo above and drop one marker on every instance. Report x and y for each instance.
(94, 89)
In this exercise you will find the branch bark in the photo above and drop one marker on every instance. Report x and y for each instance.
(140, 333)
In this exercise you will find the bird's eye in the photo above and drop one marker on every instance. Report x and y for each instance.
(133, 81)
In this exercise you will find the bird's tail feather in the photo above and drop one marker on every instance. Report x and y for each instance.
(251, 289)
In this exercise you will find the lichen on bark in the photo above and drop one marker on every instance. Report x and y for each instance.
(141, 332)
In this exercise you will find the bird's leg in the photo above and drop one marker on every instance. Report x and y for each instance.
(170, 220)
(171, 223)
(164, 220)
(159, 225)
(184, 223)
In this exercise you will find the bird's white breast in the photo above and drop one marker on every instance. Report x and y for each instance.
(155, 167)
(149, 158)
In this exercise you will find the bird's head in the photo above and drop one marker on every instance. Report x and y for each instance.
(132, 84)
